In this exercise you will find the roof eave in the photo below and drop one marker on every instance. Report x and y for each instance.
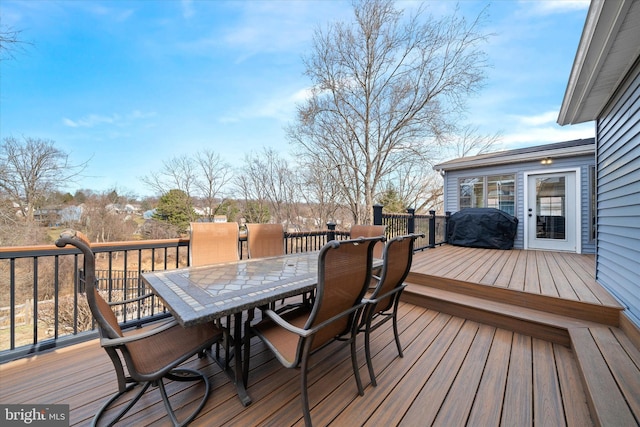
(581, 103)
(582, 150)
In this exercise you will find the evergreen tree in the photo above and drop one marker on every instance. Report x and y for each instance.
(176, 208)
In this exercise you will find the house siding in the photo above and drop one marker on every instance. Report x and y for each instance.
(519, 169)
(618, 207)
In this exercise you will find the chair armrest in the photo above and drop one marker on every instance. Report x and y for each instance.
(130, 300)
(288, 326)
(380, 297)
(336, 317)
(114, 342)
(308, 332)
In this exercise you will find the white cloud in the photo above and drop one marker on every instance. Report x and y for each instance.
(540, 119)
(550, 7)
(93, 120)
(280, 26)
(90, 121)
(187, 9)
(277, 107)
(538, 135)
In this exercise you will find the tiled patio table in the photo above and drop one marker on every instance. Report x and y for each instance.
(206, 293)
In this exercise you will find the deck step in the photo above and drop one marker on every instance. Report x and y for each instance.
(610, 369)
(537, 323)
(604, 314)
(608, 361)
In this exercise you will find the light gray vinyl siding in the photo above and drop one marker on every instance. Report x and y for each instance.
(583, 162)
(618, 208)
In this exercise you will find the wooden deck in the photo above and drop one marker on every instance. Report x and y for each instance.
(457, 370)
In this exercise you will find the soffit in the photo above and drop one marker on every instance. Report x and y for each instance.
(608, 49)
(558, 150)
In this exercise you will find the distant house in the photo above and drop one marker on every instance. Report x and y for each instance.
(604, 86)
(549, 188)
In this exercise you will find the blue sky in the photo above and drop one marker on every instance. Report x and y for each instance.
(128, 84)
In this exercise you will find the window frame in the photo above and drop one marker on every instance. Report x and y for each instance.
(484, 178)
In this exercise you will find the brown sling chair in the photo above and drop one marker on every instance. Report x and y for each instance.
(382, 303)
(265, 240)
(344, 272)
(150, 356)
(363, 230)
(213, 243)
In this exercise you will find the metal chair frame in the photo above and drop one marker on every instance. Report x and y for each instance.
(326, 320)
(382, 303)
(136, 349)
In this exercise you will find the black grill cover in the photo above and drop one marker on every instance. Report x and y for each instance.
(482, 228)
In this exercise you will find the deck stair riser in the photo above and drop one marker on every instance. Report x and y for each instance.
(608, 315)
(608, 361)
(539, 324)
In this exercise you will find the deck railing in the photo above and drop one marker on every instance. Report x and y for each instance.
(42, 305)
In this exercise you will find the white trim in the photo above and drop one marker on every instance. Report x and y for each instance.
(607, 50)
(578, 219)
(509, 157)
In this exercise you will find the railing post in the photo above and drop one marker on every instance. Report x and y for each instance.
(432, 229)
(331, 235)
(447, 215)
(411, 221)
(377, 214)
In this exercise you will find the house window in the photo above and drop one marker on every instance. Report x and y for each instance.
(501, 193)
(472, 192)
(492, 191)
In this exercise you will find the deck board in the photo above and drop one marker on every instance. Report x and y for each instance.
(455, 371)
(487, 412)
(555, 274)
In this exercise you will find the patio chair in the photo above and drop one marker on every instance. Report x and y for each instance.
(265, 240)
(360, 230)
(213, 243)
(151, 356)
(382, 303)
(344, 271)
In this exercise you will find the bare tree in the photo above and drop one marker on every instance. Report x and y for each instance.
(32, 168)
(417, 186)
(10, 42)
(320, 194)
(385, 90)
(177, 173)
(214, 174)
(202, 177)
(267, 179)
(467, 141)
(103, 221)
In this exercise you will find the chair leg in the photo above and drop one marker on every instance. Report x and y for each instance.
(354, 363)
(395, 325)
(184, 374)
(397, 336)
(367, 352)
(115, 397)
(303, 388)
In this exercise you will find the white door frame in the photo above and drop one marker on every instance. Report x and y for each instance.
(578, 210)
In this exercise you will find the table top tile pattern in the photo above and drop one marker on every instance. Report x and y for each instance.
(199, 294)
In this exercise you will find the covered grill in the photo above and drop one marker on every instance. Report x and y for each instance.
(482, 228)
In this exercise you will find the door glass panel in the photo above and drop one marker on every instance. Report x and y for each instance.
(550, 208)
